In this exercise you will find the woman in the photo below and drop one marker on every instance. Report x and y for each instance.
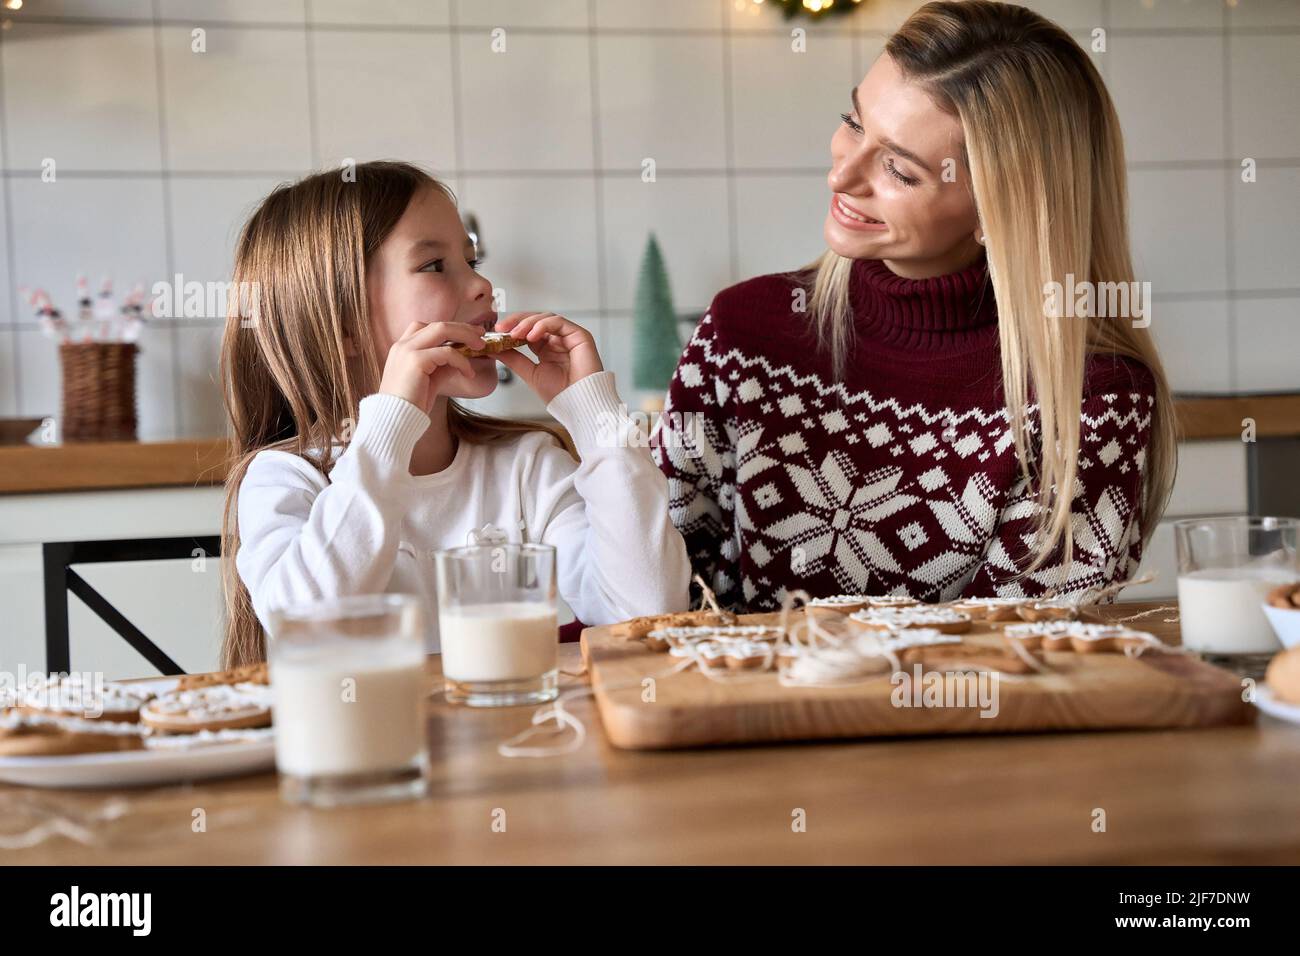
(914, 413)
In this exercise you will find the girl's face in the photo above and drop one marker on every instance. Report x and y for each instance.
(896, 161)
(425, 271)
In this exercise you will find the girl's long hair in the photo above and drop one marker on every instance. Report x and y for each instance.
(300, 291)
(1046, 161)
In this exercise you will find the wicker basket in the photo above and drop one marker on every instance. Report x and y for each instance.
(98, 391)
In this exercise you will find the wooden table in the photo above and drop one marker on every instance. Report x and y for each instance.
(1229, 795)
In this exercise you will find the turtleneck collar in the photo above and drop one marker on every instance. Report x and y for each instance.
(943, 311)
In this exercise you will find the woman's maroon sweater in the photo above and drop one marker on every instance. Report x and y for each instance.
(901, 478)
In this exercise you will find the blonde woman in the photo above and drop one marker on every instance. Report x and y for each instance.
(912, 414)
(353, 460)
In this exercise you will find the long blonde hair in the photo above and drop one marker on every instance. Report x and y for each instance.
(286, 379)
(1046, 160)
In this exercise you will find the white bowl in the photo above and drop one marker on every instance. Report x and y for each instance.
(1286, 624)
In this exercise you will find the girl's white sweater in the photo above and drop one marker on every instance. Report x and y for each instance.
(373, 527)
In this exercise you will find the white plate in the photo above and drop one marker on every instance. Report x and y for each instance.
(1269, 704)
(140, 768)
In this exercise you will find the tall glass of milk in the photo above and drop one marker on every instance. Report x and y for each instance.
(497, 624)
(348, 699)
(1226, 567)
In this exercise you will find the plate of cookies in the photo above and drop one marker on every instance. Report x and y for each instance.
(73, 731)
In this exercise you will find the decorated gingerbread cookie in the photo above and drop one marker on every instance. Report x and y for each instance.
(734, 654)
(638, 627)
(1079, 637)
(207, 738)
(71, 695)
(28, 734)
(248, 674)
(838, 604)
(942, 619)
(665, 638)
(991, 609)
(218, 707)
(1055, 609)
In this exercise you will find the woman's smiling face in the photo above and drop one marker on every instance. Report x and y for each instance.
(899, 189)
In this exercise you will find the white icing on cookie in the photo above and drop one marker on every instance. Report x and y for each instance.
(207, 738)
(743, 650)
(1038, 629)
(1102, 632)
(1073, 629)
(72, 694)
(743, 631)
(918, 616)
(839, 600)
(739, 649)
(1052, 604)
(916, 637)
(204, 704)
(14, 720)
(712, 650)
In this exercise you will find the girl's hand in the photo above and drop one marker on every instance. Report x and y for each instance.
(566, 352)
(419, 367)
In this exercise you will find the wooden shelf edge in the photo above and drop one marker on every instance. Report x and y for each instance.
(1206, 418)
(98, 466)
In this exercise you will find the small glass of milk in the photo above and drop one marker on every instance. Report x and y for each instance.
(348, 698)
(1226, 567)
(497, 624)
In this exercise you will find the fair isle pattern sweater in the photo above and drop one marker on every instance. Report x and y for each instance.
(900, 479)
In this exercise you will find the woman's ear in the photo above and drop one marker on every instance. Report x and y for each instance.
(979, 236)
(350, 349)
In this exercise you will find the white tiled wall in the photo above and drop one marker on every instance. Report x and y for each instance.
(162, 152)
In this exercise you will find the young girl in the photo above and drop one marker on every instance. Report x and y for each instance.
(353, 461)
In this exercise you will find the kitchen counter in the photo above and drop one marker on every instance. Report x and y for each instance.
(197, 462)
(1223, 795)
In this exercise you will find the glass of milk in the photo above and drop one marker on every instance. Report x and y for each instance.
(497, 624)
(348, 698)
(1226, 566)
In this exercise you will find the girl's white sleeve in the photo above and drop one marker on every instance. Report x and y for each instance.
(618, 554)
(303, 537)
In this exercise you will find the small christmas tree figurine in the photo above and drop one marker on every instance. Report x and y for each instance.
(656, 343)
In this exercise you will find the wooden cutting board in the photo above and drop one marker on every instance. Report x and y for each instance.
(1099, 691)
